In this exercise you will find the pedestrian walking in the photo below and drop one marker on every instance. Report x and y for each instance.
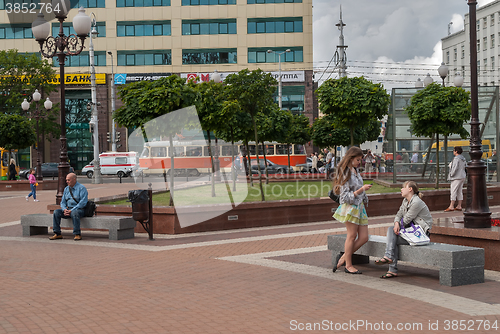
(33, 185)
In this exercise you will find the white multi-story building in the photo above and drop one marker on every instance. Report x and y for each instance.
(456, 47)
(147, 39)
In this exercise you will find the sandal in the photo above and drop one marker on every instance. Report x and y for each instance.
(383, 260)
(389, 275)
(337, 259)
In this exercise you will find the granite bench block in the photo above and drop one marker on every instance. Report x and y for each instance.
(119, 227)
(458, 265)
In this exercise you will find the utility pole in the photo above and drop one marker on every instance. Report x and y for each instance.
(342, 59)
(94, 122)
(113, 129)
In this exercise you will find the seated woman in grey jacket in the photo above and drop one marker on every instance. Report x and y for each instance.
(413, 210)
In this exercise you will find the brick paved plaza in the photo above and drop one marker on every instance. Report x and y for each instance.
(263, 280)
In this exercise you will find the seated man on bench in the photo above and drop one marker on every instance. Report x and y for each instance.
(73, 202)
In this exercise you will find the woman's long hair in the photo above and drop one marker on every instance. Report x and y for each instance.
(343, 171)
(413, 185)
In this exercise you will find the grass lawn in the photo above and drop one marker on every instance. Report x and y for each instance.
(273, 192)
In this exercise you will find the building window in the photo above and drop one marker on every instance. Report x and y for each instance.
(492, 19)
(260, 55)
(477, 25)
(68, 29)
(209, 56)
(143, 28)
(251, 2)
(15, 31)
(142, 3)
(83, 59)
(90, 4)
(208, 27)
(455, 54)
(144, 57)
(463, 52)
(485, 63)
(485, 43)
(292, 98)
(492, 41)
(478, 45)
(493, 63)
(274, 25)
(485, 22)
(207, 2)
(447, 57)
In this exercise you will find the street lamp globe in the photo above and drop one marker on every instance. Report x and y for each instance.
(25, 105)
(428, 80)
(63, 7)
(40, 28)
(443, 71)
(458, 80)
(419, 83)
(216, 77)
(82, 23)
(47, 104)
(36, 96)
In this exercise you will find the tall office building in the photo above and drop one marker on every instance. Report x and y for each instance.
(154, 38)
(456, 47)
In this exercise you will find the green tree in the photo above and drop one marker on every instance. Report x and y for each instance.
(352, 102)
(441, 111)
(144, 101)
(299, 132)
(16, 132)
(20, 75)
(212, 117)
(253, 91)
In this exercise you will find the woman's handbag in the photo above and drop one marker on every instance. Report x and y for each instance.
(415, 235)
(334, 197)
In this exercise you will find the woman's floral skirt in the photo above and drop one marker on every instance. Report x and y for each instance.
(355, 214)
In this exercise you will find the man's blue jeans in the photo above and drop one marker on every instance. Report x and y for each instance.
(76, 214)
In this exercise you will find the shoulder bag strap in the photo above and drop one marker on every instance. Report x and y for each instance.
(69, 188)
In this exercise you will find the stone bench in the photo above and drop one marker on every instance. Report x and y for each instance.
(119, 227)
(458, 265)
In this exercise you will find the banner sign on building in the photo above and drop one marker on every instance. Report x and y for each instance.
(286, 76)
(79, 79)
(124, 78)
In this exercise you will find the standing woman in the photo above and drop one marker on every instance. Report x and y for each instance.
(348, 183)
(457, 177)
(12, 169)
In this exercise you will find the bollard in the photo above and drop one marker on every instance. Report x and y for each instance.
(120, 176)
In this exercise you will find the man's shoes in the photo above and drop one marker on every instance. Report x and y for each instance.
(27, 199)
(77, 237)
(36, 200)
(56, 236)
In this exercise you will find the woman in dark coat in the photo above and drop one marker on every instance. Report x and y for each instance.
(12, 170)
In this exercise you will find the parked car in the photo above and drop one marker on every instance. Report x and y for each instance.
(49, 169)
(272, 168)
(307, 167)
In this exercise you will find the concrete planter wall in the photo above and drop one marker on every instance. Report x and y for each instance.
(24, 185)
(258, 214)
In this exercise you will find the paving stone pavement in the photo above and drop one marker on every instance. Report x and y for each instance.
(262, 280)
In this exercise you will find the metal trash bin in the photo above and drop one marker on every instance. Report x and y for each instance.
(140, 204)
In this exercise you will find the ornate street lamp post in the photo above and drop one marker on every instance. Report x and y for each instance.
(477, 212)
(48, 105)
(62, 46)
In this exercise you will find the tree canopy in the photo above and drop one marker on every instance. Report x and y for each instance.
(16, 132)
(441, 110)
(352, 102)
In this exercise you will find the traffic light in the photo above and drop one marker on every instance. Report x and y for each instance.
(117, 136)
(108, 137)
